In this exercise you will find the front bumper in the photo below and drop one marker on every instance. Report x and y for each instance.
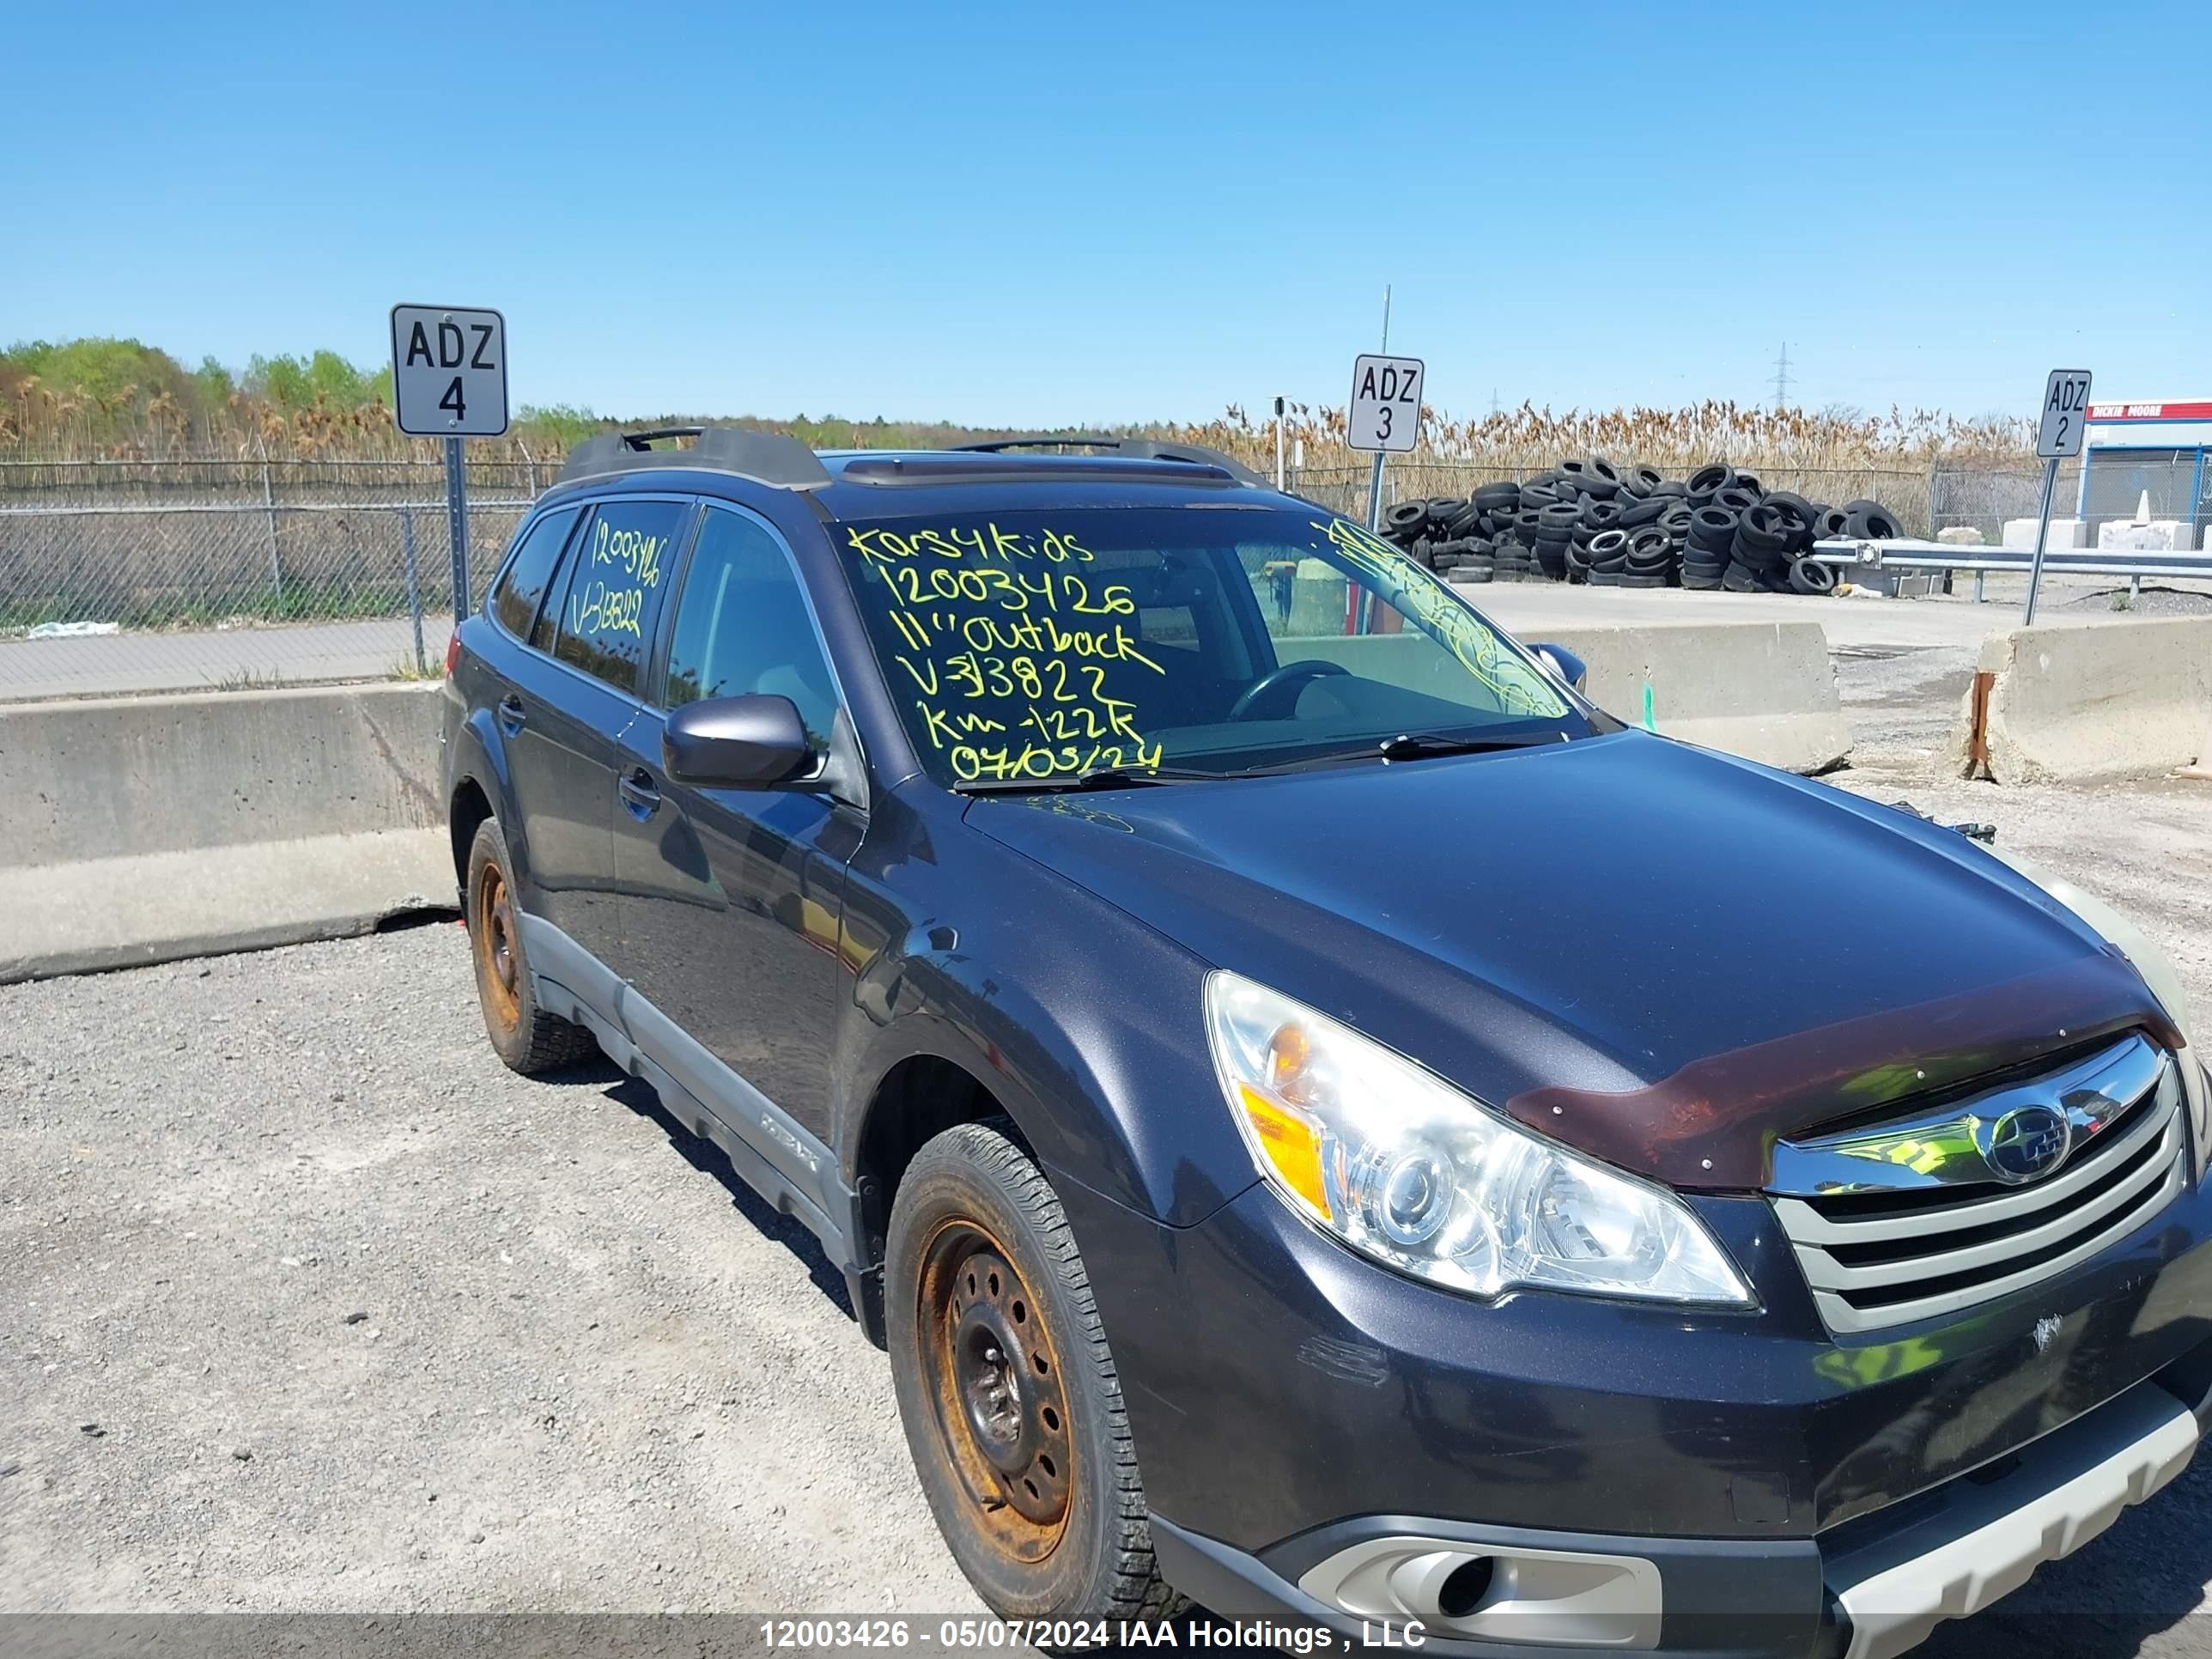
(1956, 1552)
(1288, 1396)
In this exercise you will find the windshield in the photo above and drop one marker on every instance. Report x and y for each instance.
(1040, 645)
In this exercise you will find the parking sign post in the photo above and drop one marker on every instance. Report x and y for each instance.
(457, 525)
(2065, 407)
(449, 381)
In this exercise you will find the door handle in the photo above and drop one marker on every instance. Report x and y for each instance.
(511, 714)
(637, 788)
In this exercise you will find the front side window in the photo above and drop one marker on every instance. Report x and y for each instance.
(1213, 639)
(611, 602)
(522, 585)
(743, 628)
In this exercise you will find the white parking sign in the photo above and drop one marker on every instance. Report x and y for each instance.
(1386, 403)
(2065, 406)
(448, 371)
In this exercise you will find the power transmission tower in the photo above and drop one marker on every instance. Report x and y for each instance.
(1493, 401)
(1782, 380)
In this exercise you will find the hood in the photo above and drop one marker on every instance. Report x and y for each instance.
(1662, 956)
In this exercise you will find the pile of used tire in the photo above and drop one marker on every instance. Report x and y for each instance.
(1591, 521)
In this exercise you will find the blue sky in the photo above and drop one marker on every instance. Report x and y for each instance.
(1049, 214)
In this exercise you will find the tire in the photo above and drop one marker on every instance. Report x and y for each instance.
(1708, 482)
(1869, 521)
(1763, 530)
(1736, 499)
(1738, 580)
(1832, 521)
(526, 1038)
(1643, 509)
(1651, 549)
(1811, 576)
(1497, 497)
(1713, 527)
(1749, 483)
(988, 1302)
(1402, 520)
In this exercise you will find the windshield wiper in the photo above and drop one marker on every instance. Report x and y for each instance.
(1098, 777)
(1421, 746)
(1417, 745)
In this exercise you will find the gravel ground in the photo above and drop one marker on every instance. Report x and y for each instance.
(358, 1320)
(308, 1306)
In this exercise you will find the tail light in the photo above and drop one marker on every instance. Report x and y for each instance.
(452, 653)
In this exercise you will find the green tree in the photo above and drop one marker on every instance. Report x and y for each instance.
(211, 385)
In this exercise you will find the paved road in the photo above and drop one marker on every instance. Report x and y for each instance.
(112, 663)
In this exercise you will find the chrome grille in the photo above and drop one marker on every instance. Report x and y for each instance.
(1924, 1215)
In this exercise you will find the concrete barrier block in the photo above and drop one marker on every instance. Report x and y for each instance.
(2066, 535)
(2075, 701)
(2159, 535)
(1764, 690)
(146, 907)
(136, 830)
(112, 777)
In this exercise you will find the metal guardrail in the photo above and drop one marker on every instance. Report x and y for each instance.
(1908, 554)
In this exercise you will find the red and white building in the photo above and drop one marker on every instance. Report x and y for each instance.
(2159, 447)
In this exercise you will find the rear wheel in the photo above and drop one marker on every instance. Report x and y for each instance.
(525, 1037)
(1012, 1406)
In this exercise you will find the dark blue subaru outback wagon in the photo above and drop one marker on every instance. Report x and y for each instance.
(1024, 863)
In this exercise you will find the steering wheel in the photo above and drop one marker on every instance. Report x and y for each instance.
(1293, 676)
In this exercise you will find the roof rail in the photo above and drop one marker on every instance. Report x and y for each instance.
(888, 471)
(1146, 449)
(769, 457)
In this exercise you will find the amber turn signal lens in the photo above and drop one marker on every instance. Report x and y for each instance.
(1292, 1145)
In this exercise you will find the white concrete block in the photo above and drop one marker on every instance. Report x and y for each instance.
(2019, 533)
(2159, 535)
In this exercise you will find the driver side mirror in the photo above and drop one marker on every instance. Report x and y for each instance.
(736, 742)
(1563, 663)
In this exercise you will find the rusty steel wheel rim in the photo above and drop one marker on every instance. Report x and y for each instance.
(992, 1369)
(497, 966)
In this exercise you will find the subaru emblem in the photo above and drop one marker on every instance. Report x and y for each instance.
(2027, 1144)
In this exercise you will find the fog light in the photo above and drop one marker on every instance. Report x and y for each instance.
(1496, 1592)
(1465, 1586)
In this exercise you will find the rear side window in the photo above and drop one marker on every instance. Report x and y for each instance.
(522, 585)
(612, 600)
(743, 628)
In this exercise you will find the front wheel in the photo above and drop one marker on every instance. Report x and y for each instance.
(1012, 1406)
(527, 1038)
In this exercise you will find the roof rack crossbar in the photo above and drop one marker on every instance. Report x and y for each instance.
(1148, 449)
(769, 457)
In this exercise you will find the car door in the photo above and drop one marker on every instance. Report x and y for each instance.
(561, 717)
(731, 898)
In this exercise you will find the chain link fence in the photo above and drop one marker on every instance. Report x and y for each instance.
(142, 576)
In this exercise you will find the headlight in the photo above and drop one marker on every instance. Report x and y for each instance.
(1408, 1169)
